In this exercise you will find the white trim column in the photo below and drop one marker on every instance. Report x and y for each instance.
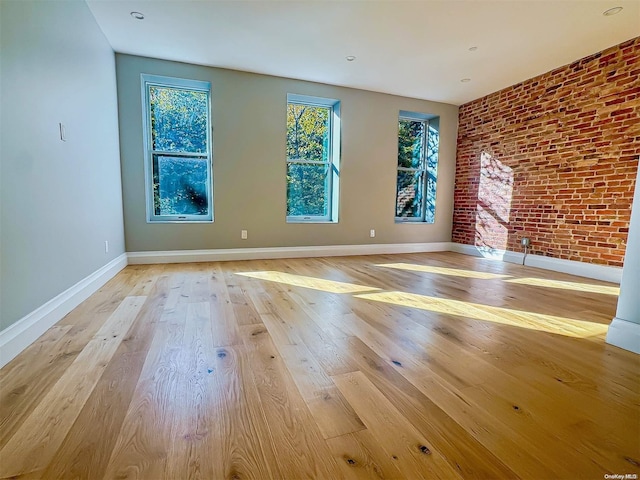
(624, 331)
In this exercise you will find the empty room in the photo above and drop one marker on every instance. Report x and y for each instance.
(318, 239)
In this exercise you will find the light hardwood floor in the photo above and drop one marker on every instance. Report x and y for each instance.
(390, 366)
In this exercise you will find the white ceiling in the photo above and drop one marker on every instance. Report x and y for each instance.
(414, 48)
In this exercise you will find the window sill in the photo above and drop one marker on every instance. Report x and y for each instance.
(321, 222)
(178, 222)
(413, 222)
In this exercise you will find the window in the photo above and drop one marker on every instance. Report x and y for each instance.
(177, 141)
(418, 142)
(313, 150)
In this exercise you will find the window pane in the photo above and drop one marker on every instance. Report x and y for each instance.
(180, 185)
(410, 143)
(433, 145)
(308, 129)
(410, 190)
(178, 119)
(307, 190)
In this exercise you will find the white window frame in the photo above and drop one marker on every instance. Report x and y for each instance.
(333, 164)
(185, 84)
(424, 119)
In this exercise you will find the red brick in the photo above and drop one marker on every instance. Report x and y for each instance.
(571, 140)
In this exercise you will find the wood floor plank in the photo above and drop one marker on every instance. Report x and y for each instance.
(234, 441)
(87, 447)
(616, 370)
(144, 440)
(519, 353)
(175, 289)
(314, 304)
(330, 410)
(359, 455)
(392, 353)
(223, 318)
(25, 381)
(302, 326)
(40, 436)
(535, 416)
(420, 376)
(454, 364)
(463, 368)
(461, 449)
(248, 450)
(584, 395)
(324, 303)
(300, 449)
(145, 279)
(416, 456)
(528, 453)
(243, 307)
(192, 434)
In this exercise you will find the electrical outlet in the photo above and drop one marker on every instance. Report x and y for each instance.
(243, 234)
(372, 233)
(525, 241)
(106, 246)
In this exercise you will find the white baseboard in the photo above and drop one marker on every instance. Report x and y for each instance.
(185, 256)
(624, 334)
(598, 272)
(468, 250)
(581, 269)
(19, 335)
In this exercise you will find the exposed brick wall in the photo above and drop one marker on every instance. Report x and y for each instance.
(553, 158)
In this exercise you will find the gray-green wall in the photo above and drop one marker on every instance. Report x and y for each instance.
(59, 200)
(249, 123)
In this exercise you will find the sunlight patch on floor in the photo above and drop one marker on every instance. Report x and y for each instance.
(444, 271)
(580, 287)
(504, 316)
(330, 286)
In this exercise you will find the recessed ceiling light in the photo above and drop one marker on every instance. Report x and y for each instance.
(465, 80)
(473, 49)
(350, 58)
(137, 15)
(612, 11)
